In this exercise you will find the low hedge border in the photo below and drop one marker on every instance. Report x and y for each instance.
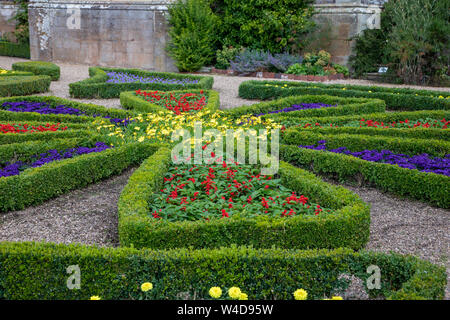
(428, 187)
(406, 99)
(418, 133)
(16, 74)
(9, 138)
(345, 106)
(38, 68)
(96, 86)
(11, 49)
(23, 85)
(36, 185)
(129, 100)
(117, 273)
(90, 109)
(348, 226)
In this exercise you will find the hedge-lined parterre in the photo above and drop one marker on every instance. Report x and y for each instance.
(18, 85)
(347, 226)
(117, 273)
(395, 98)
(134, 101)
(39, 68)
(110, 82)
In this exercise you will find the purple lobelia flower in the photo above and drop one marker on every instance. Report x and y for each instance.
(122, 77)
(422, 162)
(13, 169)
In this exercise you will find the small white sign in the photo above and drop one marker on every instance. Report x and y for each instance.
(284, 76)
(382, 69)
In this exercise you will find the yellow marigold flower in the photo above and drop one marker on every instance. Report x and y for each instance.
(95, 298)
(344, 88)
(243, 296)
(141, 139)
(146, 286)
(234, 292)
(300, 294)
(215, 292)
(336, 298)
(441, 97)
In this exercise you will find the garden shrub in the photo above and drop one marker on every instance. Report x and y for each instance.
(42, 136)
(117, 273)
(225, 56)
(36, 185)
(97, 87)
(192, 34)
(345, 106)
(414, 184)
(347, 226)
(255, 60)
(23, 85)
(129, 100)
(395, 98)
(39, 68)
(12, 49)
(317, 64)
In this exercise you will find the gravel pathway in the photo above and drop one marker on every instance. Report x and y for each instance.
(90, 215)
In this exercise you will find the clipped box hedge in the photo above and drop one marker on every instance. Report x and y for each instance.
(417, 133)
(129, 100)
(96, 86)
(36, 185)
(90, 109)
(38, 68)
(23, 85)
(39, 271)
(9, 138)
(345, 106)
(417, 185)
(395, 98)
(12, 49)
(348, 226)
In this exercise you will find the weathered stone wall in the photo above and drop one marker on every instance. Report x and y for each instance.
(7, 11)
(99, 32)
(347, 18)
(133, 33)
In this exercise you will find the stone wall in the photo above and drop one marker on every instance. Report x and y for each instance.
(100, 32)
(7, 11)
(133, 33)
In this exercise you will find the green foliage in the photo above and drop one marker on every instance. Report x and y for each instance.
(428, 187)
(224, 56)
(347, 226)
(129, 100)
(9, 138)
(264, 274)
(273, 25)
(23, 85)
(11, 49)
(318, 64)
(192, 34)
(346, 106)
(38, 68)
(395, 98)
(96, 87)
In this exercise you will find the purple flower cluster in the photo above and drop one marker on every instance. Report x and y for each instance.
(120, 77)
(45, 108)
(13, 169)
(298, 107)
(422, 162)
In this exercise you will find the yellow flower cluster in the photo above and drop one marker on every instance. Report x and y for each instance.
(233, 293)
(95, 298)
(300, 294)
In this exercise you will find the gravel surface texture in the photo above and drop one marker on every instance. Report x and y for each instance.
(90, 215)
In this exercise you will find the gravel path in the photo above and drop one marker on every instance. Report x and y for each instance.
(90, 215)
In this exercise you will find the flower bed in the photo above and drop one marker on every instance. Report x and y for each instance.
(117, 273)
(347, 225)
(422, 162)
(395, 98)
(97, 86)
(179, 102)
(424, 186)
(26, 128)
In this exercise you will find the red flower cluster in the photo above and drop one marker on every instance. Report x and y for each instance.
(177, 102)
(25, 128)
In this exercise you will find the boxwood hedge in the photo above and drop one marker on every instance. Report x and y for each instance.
(36, 185)
(417, 185)
(129, 100)
(348, 226)
(40, 271)
(97, 87)
(12, 49)
(23, 85)
(395, 98)
(39, 68)
(345, 106)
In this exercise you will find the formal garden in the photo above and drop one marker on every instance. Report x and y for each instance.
(74, 138)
